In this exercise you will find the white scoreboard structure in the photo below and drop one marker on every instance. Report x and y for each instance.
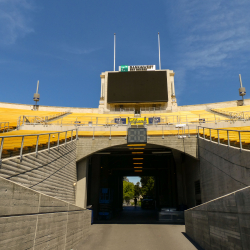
(126, 68)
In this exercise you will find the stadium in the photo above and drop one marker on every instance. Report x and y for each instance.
(56, 160)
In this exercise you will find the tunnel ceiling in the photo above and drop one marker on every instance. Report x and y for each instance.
(138, 159)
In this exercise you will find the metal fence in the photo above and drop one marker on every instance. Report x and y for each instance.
(231, 138)
(122, 120)
(8, 142)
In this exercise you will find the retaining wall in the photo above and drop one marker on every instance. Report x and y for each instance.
(52, 172)
(223, 223)
(32, 220)
(223, 169)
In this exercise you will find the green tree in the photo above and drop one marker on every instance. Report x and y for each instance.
(128, 190)
(148, 185)
(137, 189)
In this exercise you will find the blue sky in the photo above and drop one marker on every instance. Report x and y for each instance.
(134, 179)
(67, 44)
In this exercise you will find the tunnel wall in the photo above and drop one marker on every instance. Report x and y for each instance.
(52, 173)
(32, 220)
(87, 146)
(223, 169)
(188, 171)
(223, 223)
(192, 174)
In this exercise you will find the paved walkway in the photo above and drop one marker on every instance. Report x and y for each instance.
(121, 234)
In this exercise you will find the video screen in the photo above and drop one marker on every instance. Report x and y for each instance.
(137, 86)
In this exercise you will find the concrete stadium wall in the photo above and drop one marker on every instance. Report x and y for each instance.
(223, 169)
(48, 108)
(52, 173)
(223, 223)
(97, 110)
(87, 146)
(32, 220)
(215, 105)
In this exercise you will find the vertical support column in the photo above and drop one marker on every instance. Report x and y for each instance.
(37, 140)
(82, 180)
(218, 132)
(58, 141)
(21, 149)
(65, 138)
(49, 144)
(228, 140)
(240, 141)
(1, 150)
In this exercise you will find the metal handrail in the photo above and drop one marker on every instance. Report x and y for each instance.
(37, 140)
(218, 134)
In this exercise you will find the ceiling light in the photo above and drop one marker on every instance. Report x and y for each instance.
(136, 145)
(163, 152)
(136, 159)
(137, 153)
(136, 148)
(137, 170)
(138, 163)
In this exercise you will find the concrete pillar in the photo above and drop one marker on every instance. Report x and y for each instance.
(181, 186)
(81, 186)
(95, 183)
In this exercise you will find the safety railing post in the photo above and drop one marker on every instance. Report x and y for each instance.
(71, 135)
(240, 141)
(162, 133)
(93, 133)
(203, 133)
(1, 149)
(21, 149)
(210, 134)
(188, 132)
(110, 133)
(37, 140)
(198, 134)
(218, 132)
(76, 133)
(8, 127)
(228, 141)
(58, 139)
(49, 144)
(65, 138)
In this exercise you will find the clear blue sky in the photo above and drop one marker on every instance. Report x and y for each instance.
(67, 44)
(134, 179)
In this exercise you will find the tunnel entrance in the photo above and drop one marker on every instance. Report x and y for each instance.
(167, 167)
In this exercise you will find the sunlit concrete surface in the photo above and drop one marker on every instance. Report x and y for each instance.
(120, 233)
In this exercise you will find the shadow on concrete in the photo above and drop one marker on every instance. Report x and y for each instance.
(134, 215)
(193, 242)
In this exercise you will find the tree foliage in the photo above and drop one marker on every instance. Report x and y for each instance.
(137, 189)
(147, 185)
(128, 190)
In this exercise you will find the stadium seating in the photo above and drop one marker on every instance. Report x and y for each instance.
(12, 115)
(199, 116)
(236, 113)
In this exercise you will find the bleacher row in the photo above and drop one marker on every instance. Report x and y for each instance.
(12, 145)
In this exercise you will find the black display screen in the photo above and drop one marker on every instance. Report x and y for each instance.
(137, 86)
(137, 135)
